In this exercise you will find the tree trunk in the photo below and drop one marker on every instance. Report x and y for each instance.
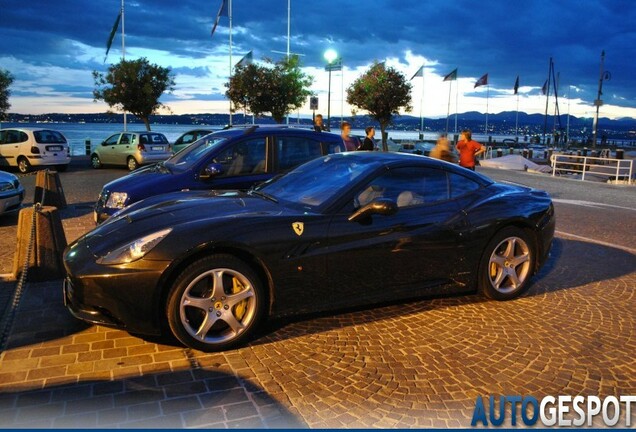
(147, 123)
(385, 146)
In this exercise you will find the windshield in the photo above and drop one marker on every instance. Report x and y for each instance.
(315, 183)
(187, 157)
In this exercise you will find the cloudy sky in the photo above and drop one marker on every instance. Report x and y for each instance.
(51, 48)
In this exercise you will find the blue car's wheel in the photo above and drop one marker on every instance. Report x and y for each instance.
(215, 304)
(507, 264)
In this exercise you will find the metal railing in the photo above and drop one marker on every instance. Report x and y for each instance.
(618, 169)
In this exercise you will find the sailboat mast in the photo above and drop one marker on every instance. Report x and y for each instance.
(123, 49)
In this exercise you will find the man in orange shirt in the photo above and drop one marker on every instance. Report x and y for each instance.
(468, 150)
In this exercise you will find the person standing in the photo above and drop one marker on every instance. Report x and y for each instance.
(318, 124)
(368, 144)
(442, 150)
(468, 150)
(350, 143)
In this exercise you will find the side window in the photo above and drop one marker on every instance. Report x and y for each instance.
(125, 139)
(407, 187)
(2, 136)
(293, 151)
(112, 140)
(23, 137)
(461, 185)
(242, 158)
(12, 137)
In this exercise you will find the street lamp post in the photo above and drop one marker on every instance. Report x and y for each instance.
(330, 56)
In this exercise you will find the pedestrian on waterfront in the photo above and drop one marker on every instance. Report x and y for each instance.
(318, 124)
(350, 143)
(368, 144)
(442, 150)
(468, 150)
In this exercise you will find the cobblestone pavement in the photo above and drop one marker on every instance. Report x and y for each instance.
(418, 364)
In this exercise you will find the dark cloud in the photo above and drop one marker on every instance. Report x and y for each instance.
(501, 37)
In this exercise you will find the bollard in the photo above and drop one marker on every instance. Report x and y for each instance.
(511, 150)
(499, 152)
(525, 153)
(545, 154)
(619, 154)
(529, 153)
(87, 147)
(48, 189)
(584, 151)
(47, 245)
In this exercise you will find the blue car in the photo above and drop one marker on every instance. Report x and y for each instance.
(230, 159)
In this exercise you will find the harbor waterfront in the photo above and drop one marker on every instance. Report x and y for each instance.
(78, 134)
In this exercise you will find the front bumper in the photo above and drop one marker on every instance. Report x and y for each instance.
(122, 296)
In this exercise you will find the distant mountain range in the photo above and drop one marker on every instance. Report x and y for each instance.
(502, 123)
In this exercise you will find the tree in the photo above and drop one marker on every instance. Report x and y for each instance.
(381, 91)
(134, 86)
(275, 88)
(6, 79)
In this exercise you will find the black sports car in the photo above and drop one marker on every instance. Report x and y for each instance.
(342, 230)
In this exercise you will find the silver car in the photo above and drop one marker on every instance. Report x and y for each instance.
(11, 192)
(131, 149)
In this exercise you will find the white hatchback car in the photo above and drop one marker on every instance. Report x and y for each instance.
(29, 147)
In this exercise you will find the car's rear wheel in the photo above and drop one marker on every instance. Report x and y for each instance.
(23, 165)
(507, 264)
(132, 163)
(215, 304)
(95, 161)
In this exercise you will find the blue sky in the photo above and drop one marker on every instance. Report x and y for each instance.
(51, 47)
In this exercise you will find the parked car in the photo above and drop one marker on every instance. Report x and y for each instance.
(343, 230)
(235, 158)
(31, 147)
(131, 149)
(188, 138)
(419, 148)
(11, 192)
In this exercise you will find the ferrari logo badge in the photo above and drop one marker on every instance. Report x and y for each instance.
(298, 227)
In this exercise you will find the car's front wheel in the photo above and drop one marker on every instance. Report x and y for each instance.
(507, 264)
(215, 304)
(132, 163)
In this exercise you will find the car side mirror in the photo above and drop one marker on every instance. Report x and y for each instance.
(211, 170)
(381, 206)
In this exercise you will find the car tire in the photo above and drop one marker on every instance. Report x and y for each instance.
(507, 264)
(132, 163)
(23, 165)
(61, 168)
(95, 161)
(215, 304)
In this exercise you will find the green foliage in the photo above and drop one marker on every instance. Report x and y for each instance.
(381, 91)
(6, 79)
(271, 88)
(134, 86)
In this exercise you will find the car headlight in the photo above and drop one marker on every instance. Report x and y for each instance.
(134, 250)
(6, 186)
(117, 200)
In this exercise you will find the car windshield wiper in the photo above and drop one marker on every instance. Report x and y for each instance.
(262, 194)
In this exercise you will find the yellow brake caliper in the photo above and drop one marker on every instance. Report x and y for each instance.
(241, 307)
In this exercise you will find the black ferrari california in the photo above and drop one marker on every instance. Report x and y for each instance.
(343, 230)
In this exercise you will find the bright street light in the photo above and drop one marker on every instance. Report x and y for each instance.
(330, 55)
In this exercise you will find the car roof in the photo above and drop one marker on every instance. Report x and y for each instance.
(397, 159)
(258, 130)
(29, 129)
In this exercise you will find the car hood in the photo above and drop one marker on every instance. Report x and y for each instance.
(143, 181)
(178, 208)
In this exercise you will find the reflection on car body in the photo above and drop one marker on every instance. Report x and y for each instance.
(341, 230)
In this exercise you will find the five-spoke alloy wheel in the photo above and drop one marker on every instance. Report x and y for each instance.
(507, 264)
(215, 303)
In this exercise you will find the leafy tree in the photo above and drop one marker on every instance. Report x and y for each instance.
(6, 79)
(134, 86)
(275, 88)
(381, 91)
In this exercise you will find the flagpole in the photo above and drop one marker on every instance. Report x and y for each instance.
(422, 107)
(450, 85)
(487, 97)
(123, 50)
(517, 119)
(229, 15)
(456, 102)
(547, 100)
(288, 39)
